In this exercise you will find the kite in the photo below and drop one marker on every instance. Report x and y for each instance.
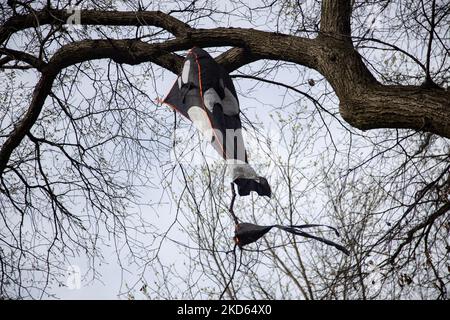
(204, 93)
(246, 233)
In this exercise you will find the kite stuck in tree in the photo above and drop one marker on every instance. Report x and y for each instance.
(205, 94)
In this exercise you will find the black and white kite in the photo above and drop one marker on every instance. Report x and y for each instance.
(205, 94)
(246, 233)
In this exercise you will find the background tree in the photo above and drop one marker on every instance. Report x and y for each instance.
(82, 139)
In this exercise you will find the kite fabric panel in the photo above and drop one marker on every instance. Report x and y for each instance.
(204, 93)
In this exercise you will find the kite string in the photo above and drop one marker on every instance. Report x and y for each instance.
(230, 209)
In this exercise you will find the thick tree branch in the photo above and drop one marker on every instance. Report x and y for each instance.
(235, 58)
(335, 18)
(121, 51)
(408, 107)
(40, 93)
(94, 17)
(21, 56)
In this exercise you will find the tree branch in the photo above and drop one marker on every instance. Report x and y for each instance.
(93, 17)
(335, 18)
(40, 93)
(22, 56)
(429, 221)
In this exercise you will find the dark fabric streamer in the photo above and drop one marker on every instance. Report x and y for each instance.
(246, 233)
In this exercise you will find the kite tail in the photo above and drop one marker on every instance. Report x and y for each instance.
(312, 225)
(296, 230)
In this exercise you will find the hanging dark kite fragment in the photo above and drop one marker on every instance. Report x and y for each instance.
(246, 233)
(205, 94)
